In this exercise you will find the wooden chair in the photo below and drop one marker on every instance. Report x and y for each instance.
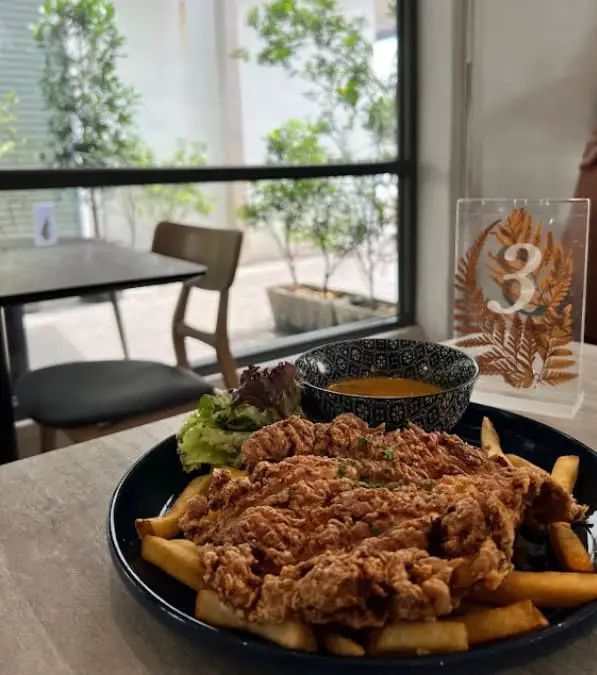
(89, 399)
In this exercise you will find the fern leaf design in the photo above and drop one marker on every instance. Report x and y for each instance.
(560, 351)
(524, 350)
(467, 318)
(559, 364)
(555, 377)
(477, 341)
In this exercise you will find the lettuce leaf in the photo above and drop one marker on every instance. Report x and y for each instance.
(219, 410)
(274, 389)
(199, 443)
(215, 432)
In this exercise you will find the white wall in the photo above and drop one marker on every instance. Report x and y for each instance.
(534, 95)
(172, 63)
(171, 60)
(440, 114)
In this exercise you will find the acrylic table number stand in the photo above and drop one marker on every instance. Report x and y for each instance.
(519, 300)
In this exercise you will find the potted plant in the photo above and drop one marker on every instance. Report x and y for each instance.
(314, 41)
(337, 218)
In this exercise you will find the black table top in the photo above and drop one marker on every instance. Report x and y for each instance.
(82, 267)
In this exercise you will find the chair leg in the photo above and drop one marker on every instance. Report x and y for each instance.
(227, 364)
(47, 438)
(119, 323)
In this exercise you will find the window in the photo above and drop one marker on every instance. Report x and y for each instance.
(292, 119)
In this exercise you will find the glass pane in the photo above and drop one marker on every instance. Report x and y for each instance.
(194, 82)
(315, 254)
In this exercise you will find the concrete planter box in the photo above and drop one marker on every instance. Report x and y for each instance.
(299, 309)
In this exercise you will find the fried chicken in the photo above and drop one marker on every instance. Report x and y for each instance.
(339, 523)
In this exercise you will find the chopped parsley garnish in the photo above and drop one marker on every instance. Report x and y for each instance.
(362, 442)
(341, 473)
(371, 486)
(375, 531)
(428, 485)
(388, 453)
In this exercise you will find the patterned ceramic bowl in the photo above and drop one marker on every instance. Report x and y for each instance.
(450, 369)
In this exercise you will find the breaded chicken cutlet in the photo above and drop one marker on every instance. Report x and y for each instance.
(339, 523)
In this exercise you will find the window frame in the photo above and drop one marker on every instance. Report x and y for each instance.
(403, 167)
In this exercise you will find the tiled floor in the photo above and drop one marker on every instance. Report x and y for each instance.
(61, 332)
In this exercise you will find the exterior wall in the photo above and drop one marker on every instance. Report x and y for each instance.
(21, 66)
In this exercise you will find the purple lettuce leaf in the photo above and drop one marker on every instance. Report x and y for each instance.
(276, 389)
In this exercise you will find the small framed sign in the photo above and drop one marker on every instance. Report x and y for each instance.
(44, 223)
(519, 297)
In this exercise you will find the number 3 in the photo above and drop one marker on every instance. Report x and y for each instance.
(527, 287)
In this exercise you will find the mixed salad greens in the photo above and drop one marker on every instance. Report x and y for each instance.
(216, 431)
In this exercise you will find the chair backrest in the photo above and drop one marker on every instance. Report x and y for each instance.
(216, 248)
(219, 250)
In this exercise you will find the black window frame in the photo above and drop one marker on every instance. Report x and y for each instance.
(403, 167)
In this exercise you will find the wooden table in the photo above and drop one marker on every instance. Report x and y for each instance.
(64, 609)
(73, 268)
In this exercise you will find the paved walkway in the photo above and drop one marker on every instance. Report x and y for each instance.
(75, 331)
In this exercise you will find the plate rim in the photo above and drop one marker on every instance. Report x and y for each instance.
(526, 646)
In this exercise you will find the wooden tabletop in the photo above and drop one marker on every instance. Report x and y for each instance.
(64, 609)
(82, 267)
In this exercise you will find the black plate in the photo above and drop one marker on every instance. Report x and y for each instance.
(156, 479)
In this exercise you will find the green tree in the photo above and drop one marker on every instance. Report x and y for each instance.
(172, 202)
(299, 211)
(9, 144)
(142, 204)
(91, 111)
(8, 129)
(313, 41)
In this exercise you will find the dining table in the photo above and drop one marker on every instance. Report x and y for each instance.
(70, 268)
(64, 608)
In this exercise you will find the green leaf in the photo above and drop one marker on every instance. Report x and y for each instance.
(253, 17)
(202, 444)
(241, 53)
(91, 111)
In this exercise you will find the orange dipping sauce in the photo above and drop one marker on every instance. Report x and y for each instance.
(382, 387)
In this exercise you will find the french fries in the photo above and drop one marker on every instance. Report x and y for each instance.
(419, 638)
(490, 441)
(484, 615)
(166, 526)
(565, 472)
(568, 548)
(522, 463)
(289, 634)
(340, 645)
(502, 622)
(543, 589)
(176, 557)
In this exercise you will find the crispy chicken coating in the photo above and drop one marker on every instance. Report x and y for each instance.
(340, 523)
